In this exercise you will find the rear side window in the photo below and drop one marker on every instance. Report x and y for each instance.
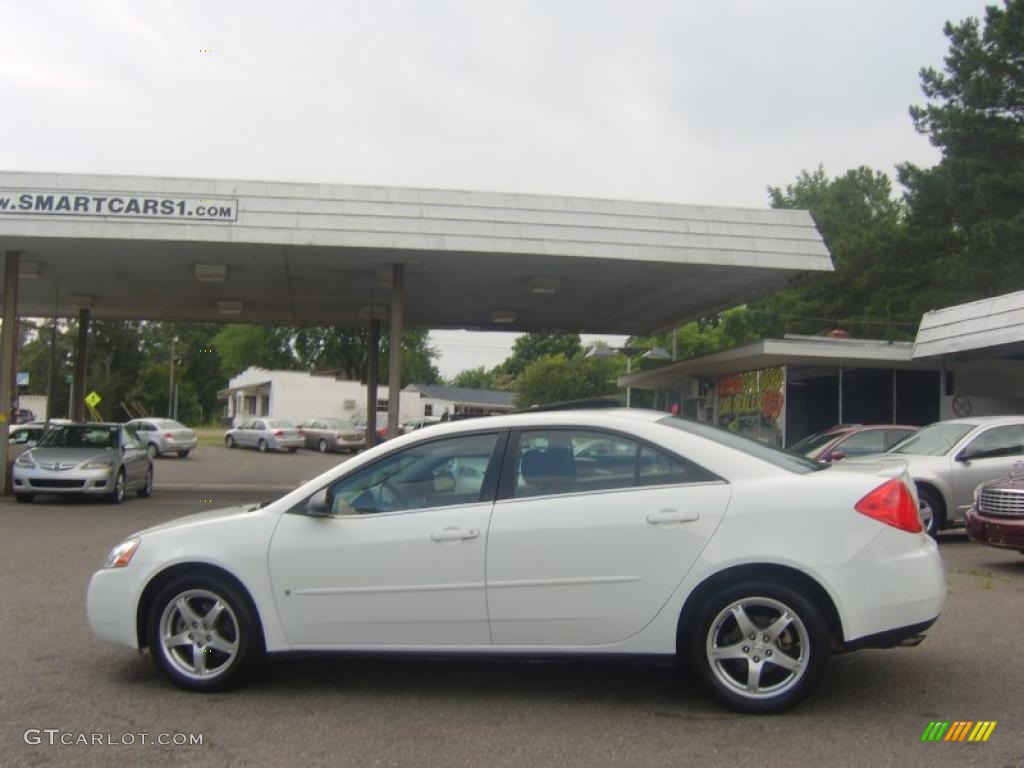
(560, 461)
(781, 459)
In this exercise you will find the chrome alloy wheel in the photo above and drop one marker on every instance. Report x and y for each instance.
(199, 634)
(758, 647)
(926, 513)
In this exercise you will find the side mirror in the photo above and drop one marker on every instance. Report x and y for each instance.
(317, 504)
(966, 455)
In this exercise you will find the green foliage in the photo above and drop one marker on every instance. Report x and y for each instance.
(240, 346)
(533, 346)
(475, 378)
(555, 378)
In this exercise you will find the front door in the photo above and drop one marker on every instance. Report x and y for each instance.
(592, 536)
(400, 559)
(992, 454)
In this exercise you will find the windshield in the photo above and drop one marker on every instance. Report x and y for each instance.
(933, 440)
(779, 458)
(810, 444)
(79, 436)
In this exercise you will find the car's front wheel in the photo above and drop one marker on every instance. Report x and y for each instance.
(116, 495)
(183, 454)
(24, 498)
(201, 633)
(322, 445)
(229, 442)
(263, 446)
(147, 488)
(759, 647)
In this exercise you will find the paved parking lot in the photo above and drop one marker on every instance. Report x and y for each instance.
(871, 709)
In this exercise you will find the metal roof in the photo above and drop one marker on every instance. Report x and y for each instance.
(995, 325)
(465, 395)
(319, 253)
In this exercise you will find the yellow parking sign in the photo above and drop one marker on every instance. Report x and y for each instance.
(92, 399)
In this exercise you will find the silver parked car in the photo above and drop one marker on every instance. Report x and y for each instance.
(334, 434)
(266, 435)
(949, 459)
(95, 459)
(162, 436)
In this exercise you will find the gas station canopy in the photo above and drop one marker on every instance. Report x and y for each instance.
(286, 253)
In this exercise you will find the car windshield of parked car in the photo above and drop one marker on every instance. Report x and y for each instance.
(776, 456)
(80, 437)
(812, 443)
(933, 440)
(169, 424)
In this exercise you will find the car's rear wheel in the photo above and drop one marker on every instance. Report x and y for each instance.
(147, 488)
(151, 449)
(932, 512)
(229, 441)
(202, 634)
(759, 647)
(24, 498)
(116, 496)
(183, 454)
(263, 446)
(322, 445)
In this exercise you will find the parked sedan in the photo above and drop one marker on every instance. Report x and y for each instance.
(334, 434)
(997, 517)
(482, 536)
(949, 459)
(162, 436)
(844, 440)
(94, 459)
(265, 435)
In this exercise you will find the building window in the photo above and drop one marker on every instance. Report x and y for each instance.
(428, 410)
(382, 405)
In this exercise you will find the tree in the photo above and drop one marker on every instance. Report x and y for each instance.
(969, 208)
(533, 346)
(324, 348)
(240, 346)
(475, 378)
(555, 378)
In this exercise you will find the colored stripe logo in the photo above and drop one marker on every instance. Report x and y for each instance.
(959, 730)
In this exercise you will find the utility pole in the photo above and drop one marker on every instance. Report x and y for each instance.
(170, 384)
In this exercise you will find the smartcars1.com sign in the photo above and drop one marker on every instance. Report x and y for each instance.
(118, 206)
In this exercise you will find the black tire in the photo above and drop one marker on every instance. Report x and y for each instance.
(152, 450)
(803, 641)
(932, 510)
(24, 498)
(116, 496)
(229, 441)
(183, 454)
(147, 488)
(231, 643)
(263, 446)
(292, 450)
(322, 445)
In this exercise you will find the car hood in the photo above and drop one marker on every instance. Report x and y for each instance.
(74, 456)
(201, 518)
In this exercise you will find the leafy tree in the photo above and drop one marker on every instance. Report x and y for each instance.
(345, 349)
(554, 378)
(475, 378)
(970, 206)
(533, 346)
(240, 346)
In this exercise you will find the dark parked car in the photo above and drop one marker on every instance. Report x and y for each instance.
(845, 440)
(997, 517)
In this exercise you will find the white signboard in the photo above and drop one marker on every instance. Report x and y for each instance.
(113, 205)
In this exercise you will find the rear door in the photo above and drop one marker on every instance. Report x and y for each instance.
(591, 534)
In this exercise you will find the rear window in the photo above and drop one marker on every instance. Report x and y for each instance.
(280, 424)
(775, 456)
(170, 424)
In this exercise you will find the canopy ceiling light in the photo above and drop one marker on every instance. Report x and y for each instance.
(211, 273)
(544, 285)
(504, 316)
(80, 300)
(229, 307)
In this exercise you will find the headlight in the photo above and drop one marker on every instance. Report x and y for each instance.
(97, 464)
(122, 554)
(25, 460)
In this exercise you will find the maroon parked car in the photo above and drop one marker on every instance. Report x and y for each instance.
(997, 517)
(844, 440)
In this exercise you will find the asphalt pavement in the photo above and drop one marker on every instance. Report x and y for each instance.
(58, 683)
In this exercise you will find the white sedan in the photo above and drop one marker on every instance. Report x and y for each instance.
(514, 536)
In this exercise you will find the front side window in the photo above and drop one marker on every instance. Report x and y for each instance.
(555, 461)
(439, 473)
(998, 441)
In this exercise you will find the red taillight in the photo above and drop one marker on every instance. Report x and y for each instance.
(893, 504)
(168, 435)
(279, 433)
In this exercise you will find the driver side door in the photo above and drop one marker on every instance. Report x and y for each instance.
(398, 560)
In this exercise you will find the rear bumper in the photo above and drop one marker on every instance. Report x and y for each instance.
(995, 531)
(890, 638)
(170, 446)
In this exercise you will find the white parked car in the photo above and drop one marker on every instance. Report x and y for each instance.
(949, 459)
(515, 536)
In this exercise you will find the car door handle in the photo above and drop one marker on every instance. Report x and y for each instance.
(454, 534)
(671, 516)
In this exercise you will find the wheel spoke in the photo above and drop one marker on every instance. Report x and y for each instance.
(220, 643)
(173, 641)
(776, 628)
(729, 652)
(199, 661)
(213, 613)
(186, 611)
(743, 621)
(785, 661)
(754, 676)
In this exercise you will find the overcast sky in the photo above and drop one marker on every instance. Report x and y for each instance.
(689, 101)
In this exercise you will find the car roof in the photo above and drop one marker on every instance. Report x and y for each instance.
(570, 416)
(982, 420)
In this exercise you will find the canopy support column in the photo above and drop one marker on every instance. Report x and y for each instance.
(395, 348)
(8, 361)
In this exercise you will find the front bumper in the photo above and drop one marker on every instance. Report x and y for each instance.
(95, 482)
(111, 604)
(1004, 532)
